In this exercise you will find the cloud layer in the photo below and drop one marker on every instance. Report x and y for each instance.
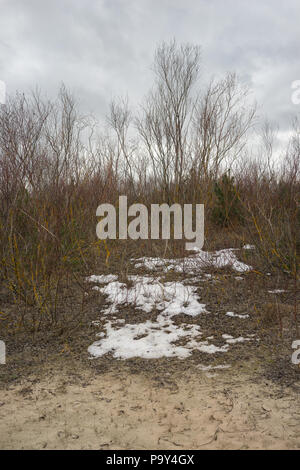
(104, 48)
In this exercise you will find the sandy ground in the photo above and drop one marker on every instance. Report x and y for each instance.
(119, 410)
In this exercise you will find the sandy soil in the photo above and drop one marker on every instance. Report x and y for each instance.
(118, 410)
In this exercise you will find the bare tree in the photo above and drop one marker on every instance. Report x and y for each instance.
(221, 122)
(22, 157)
(164, 122)
(120, 119)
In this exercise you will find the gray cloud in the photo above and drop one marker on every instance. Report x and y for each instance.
(103, 48)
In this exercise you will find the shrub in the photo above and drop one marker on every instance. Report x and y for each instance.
(227, 208)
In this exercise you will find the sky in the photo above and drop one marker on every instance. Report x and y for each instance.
(104, 48)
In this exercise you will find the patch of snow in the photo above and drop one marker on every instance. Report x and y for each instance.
(206, 368)
(160, 338)
(249, 247)
(237, 340)
(151, 340)
(231, 340)
(150, 263)
(147, 340)
(103, 278)
(147, 293)
(201, 260)
(227, 336)
(209, 348)
(276, 291)
(231, 314)
(227, 257)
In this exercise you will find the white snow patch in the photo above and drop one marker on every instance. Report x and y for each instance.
(206, 368)
(151, 263)
(159, 338)
(149, 340)
(201, 260)
(231, 340)
(276, 291)
(147, 293)
(152, 340)
(237, 340)
(227, 336)
(249, 247)
(231, 314)
(103, 278)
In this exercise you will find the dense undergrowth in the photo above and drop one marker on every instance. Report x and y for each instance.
(56, 168)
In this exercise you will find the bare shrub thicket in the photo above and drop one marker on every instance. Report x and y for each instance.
(270, 198)
(56, 167)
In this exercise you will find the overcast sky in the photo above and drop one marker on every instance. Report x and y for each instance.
(103, 48)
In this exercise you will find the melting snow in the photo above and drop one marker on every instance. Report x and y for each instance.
(276, 291)
(159, 338)
(152, 339)
(202, 259)
(149, 340)
(231, 314)
(206, 368)
(148, 293)
(231, 340)
(103, 278)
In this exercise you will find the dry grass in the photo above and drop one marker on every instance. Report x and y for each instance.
(54, 174)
